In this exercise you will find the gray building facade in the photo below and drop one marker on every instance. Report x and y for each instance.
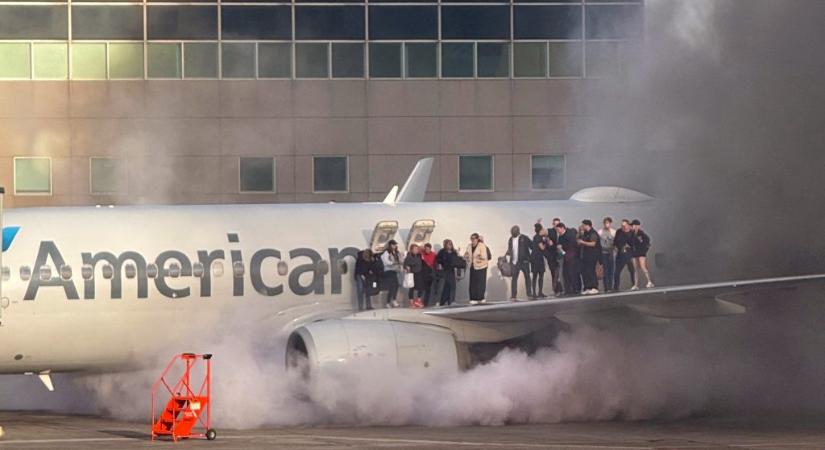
(160, 102)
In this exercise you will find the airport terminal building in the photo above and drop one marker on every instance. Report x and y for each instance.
(123, 102)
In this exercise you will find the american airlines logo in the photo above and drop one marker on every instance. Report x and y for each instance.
(175, 264)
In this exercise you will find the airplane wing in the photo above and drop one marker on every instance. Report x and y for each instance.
(676, 302)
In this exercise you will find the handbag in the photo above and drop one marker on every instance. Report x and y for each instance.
(505, 267)
(409, 280)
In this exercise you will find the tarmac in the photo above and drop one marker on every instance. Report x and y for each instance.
(35, 430)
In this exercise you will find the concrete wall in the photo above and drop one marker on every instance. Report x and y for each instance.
(182, 139)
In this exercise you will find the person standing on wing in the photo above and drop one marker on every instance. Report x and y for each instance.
(518, 250)
(641, 245)
(478, 258)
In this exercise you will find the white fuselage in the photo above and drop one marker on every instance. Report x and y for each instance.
(43, 328)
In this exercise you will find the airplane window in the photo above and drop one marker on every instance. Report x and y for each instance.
(6, 273)
(342, 266)
(197, 269)
(283, 268)
(108, 271)
(25, 273)
(45, 273)
(152, 270)
(323, 267)
(130, 270)
(173, 270)
(237, 269)
(87, 272)
(217, 269)
(66, 272)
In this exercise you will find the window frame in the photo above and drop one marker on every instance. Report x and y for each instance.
(492, 172)
(563, 169)
(33, 194)
(346, 174)
(118, 161)
(274, 176)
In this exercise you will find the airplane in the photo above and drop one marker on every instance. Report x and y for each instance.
(99, 289)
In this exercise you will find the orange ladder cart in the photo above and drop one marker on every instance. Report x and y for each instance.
(188, 410)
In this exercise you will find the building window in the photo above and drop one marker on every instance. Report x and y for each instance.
(51, 61)
(34, 22)
(32, 175)
(347, 60)
(421, 60)
(163, 60)
(15, 60)
(125, 60)
(311, 60)
(274, 60)
(475, 173)
(186, 22)
(106, 175)
(101, 22)
(457, 59)
(257, 175)
(547, 171)
(385, 60)
(565, 59)
(238, 60)
(529, 59)
(330, 174)
(602, 59)
(200, 60)
(88, 61)
(493, 59)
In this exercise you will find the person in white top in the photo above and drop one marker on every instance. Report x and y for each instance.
(606, 235)
(391, 258)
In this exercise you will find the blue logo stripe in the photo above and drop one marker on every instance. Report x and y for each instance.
(8, 236)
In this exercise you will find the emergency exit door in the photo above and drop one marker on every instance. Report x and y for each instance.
(383, 232)
(420, 232)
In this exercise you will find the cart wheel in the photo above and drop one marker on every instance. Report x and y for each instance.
(211, 434)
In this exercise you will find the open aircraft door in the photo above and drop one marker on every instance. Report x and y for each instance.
(383, 232)
(420, 232)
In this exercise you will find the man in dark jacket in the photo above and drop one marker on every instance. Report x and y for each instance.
(518, 251)
(367, 271)
(623, 242)
(570, 265)
(591, 251)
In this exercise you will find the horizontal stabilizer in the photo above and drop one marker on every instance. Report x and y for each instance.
(415, 188)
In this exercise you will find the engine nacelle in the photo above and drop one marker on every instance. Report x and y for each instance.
(406, 345)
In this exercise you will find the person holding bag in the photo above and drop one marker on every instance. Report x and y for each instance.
(446, 260)
(413, 280)
(478, 257)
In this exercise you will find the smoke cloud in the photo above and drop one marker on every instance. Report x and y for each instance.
(720, 114)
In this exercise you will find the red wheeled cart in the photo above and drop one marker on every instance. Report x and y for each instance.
(188, 410)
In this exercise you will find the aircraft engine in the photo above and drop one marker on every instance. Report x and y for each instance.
(407, 345)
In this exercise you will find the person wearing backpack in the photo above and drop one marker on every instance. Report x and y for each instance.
(478, 257)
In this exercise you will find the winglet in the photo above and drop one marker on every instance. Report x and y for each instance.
(391, 196)
(415, 188)
(46, 379)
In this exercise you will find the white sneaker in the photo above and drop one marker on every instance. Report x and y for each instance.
(474, 302)
(395, 304)
(634, 288)
(650, 285)
(483, 300)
